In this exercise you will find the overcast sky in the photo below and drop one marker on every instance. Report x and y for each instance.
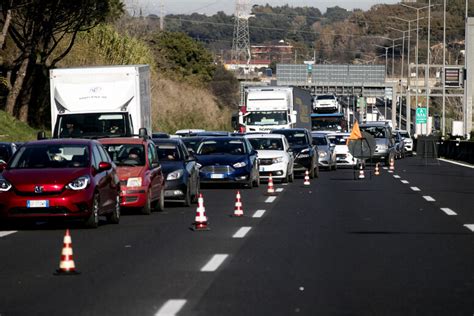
(212, 6)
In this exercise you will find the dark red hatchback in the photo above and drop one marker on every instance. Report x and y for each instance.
(61, 178)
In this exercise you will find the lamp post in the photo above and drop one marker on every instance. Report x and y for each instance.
(393, 50)
(443, 121)
(386, 60)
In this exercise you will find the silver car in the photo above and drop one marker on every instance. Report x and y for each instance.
(326, 152)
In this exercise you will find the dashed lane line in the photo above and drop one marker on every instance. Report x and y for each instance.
(457, 163)
(242, 232)
(449, 211)
(270, 199)
(171, 308)
(416, 189)
(258, 213)
(404, 181)
(213, 264)
(470, 227)
(6, 233)
(396, 176)
(279, 190)
(385, 168)
(428, 198)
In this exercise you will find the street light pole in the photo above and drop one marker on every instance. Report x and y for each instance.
(443, 121)
(427, 72)
(386, 60)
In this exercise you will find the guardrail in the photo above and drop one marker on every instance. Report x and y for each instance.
(435, 147)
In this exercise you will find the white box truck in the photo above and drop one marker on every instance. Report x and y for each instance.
(104, 101)
(275, 107)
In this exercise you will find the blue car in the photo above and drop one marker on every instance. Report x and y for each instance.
(228, 159)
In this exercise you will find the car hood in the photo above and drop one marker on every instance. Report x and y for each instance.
(125, 172)
(270, 153)
(206, 160)
(170, 166)
(52, 180)
(341, 149)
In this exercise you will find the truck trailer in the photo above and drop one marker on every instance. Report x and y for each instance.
(104, 101)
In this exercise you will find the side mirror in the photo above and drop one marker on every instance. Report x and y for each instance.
(3, 165)
(104, 166)
(143, 133)
(293, 117)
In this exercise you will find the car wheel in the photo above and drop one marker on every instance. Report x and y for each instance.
(316, 173)
(257, 181)
(292, 177)
(196, 194)
(147, 207)
(311, 171)
(187, 197)
(160, 205)
(93, 220)
(114, 218)
(286, 179)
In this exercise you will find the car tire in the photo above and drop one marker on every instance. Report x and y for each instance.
(286, 179)
(93, 220)
(316, 173)
(146, 210)
(187, 197)
(292, 177)
(311, 171)
(160, 204)
(114, 217)
(196, 194)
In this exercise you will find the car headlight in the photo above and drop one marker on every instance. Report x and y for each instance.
(134, 182)
(5, 185)
(322, 154)
(277, 160)
(175, 175)
(79, 184)
(240, 164)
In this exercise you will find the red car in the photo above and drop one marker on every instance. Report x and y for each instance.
(141, 177)
(61, 178)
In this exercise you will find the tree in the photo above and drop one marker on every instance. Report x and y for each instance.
(36, 29)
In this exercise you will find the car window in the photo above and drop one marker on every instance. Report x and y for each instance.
(320, 141)
(266, 143)
(225, 146)
(376, 131)
(152, 155)
(168, 152)
(51, 156)
(103, 154)
(126, 154)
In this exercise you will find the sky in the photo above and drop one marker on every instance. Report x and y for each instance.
(210, 7)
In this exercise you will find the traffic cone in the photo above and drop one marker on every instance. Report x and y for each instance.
(200, 221)
(66, 264)
(306, 178)
(392, 164)
(377, 171)
(270, 189)
(238, 211)
(361, 172)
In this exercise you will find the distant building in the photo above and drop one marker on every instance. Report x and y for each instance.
(281, 52)
(254, 65)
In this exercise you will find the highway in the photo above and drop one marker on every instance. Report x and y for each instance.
(396, 244)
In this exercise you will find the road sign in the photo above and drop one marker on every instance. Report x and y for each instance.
(421, 115)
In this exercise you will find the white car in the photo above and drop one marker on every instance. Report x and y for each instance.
(326, 103)
(274, 155)
(407, 140)
(343, 156)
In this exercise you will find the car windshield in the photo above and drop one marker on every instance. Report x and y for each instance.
(325, 97)
(51, 156)
(404, 134)
(267, 118)
(192, 142)
(376, 131)
(225, 146)
(338, 139)
(126, 154)
(295, 138)
(168, 152)
(266, 143)
(92, 125)
(319, 141)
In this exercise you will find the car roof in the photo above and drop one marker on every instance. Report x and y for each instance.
(221, 138)
(61, 141)
(167, 141)
(265, 135)
(338, 134)
(289, 129)
(375, 123)
(122, 140)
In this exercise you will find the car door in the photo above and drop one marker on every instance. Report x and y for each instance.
(101, 180)
(155, 172)
(252, 154)
(111, 190)
(189, 166)
(289, 152)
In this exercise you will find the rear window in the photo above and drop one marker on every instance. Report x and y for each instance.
(126, 154)
(168, 152)
(319, 141)
(211, 147)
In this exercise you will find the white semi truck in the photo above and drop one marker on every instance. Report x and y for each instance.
(274, 107)
(100, 101)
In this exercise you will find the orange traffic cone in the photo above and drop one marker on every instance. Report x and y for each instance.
(392, 164)
(200, 221)
(361, 172)
(271, 189)
(377, 171)
(306, 178)
(238, 211)
(66, 264)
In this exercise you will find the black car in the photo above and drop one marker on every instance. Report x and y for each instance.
(180, 170)
(306, 154)
(7, 150)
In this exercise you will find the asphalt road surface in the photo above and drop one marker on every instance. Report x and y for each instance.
(401, 243)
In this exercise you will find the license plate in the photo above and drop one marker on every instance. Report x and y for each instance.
(37, 203)
(217, 176)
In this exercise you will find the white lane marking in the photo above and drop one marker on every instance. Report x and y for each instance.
(259, 213)
(6, 233)
(214, 263)
(270, 199)
(428, 198)
(242, 232)
(404, 181)
(284, 184)
(470, 227)
(396, 176)
(415, 188)
(390, 171)
(385, 168)
(448, 211)
(279, 190)
(171, 308)
(457, 163)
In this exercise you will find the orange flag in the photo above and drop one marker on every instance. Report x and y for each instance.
(355, 133)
